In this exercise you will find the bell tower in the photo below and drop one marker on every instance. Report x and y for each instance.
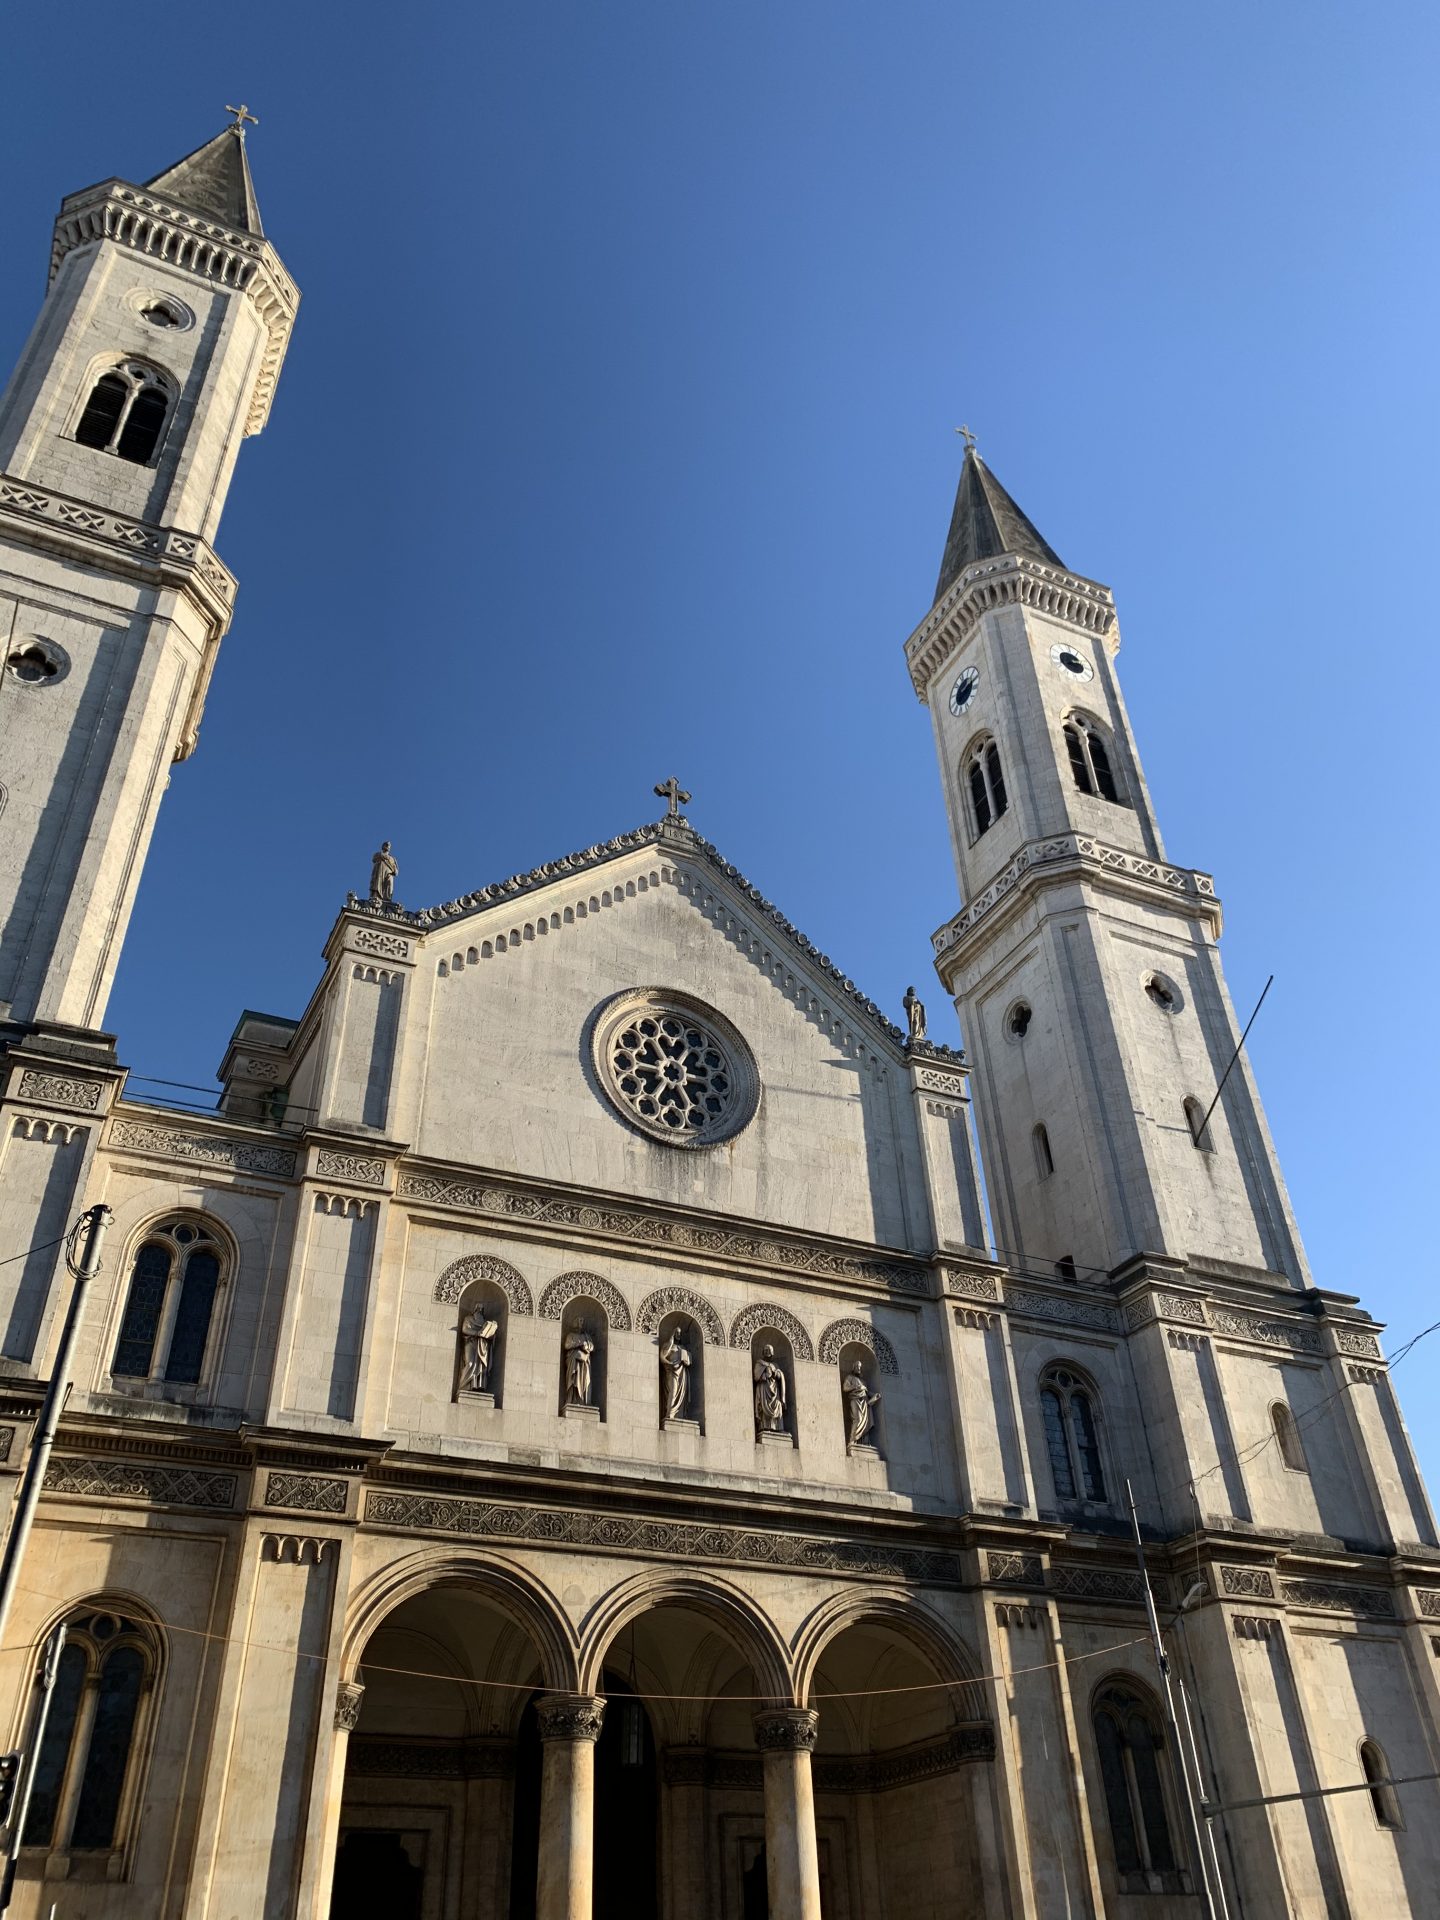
(155, 353)
(1084, 966)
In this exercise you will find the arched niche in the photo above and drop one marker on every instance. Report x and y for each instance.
(482, 1337)
(772, 1388)
(860, 1411)
(685, 1331)
(584, 1351)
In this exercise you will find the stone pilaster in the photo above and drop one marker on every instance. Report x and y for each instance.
(786, 1738)
(569, 1727)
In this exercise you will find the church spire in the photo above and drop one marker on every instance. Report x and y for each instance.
(215, 180)
(986, 523)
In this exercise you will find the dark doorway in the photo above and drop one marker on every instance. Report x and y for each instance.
(375, 1874)
(627, 1833)
(754, 1891)
(525, 1825)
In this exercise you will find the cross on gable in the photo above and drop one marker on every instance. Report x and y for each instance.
(672, 791)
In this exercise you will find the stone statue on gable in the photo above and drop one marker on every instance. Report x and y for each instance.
(383, 869)
(914, 1013)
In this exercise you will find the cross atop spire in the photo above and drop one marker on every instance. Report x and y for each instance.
(672, 791)
(967, 432)
(242, 114)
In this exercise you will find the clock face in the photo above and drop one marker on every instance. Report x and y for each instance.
(963, 691)
(1072, 662)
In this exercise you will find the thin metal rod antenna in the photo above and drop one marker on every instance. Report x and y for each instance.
(1239, 1049)
(1319, 1793)
(1207, 1811)
(56, 1394)
(19, 1813)
(1197, 1848)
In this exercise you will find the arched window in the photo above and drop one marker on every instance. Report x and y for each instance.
(988, 798)
(1072, 1435)
(1065, 1268)
(1091, 759)
(1199, 1128)
(1129, 1744)
(166, 1324)
(126, 412)
(1287, 1437)
(84, 1775)
(1044, 1158)
(1376, 1769)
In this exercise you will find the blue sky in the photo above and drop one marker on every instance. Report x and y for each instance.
(616, 438)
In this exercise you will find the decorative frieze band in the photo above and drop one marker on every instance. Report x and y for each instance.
(1075, 1310)
(306, 1492)
(1364, 1344)
(1428, 1601)
(133, 536)
(1250, 1583)
(245, 1156)
(973, 1284)
(683, 1539)
(655, 1230)
(120, 1479)
(1015, 1569)
(1270, 1333)
(366, 1170)
(60, 1090)
(1370, 1603)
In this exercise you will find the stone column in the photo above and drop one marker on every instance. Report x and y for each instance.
(569, 1727)
(786, 1737)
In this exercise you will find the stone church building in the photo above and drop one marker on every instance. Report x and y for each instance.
(568, 1436)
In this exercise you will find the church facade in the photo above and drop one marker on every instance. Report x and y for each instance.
(568, 1435)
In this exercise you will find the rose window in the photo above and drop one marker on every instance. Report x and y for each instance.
(675, 1070)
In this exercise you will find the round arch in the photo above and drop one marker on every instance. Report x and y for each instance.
(904, 1615)
(716, 1599)
(513, 1592)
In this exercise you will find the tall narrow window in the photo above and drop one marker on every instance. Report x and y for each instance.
(1287, 1437)
(125, 413)
(1044, 1159)
(1065, 1268)
(983, 774)
(1130, 1746)
(1376, 1768)
(1072, 1436)
(1199, 1127)
(1091, 765)
(165, 1328)
(87, 1757)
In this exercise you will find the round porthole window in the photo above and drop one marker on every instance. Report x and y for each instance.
(163, 310)
(674, 1068)
(1162, 992)
(1017, 1020)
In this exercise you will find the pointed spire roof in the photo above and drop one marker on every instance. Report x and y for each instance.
(215, 180)
(986, 523)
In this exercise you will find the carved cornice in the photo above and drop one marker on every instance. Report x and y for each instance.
(609, 1533)
(679, 837)
(1010, 580)
(773, 1248)
(1077, 854)
(186, 553)
(132, 217)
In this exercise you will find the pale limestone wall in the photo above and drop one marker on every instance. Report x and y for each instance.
(92, 318)
(495, 1069)
(40, 1166)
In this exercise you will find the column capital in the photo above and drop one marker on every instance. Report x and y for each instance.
(348, 1696)
(570, 1716)
(787, 1730)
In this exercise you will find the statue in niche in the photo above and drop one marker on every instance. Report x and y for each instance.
(579, 1350)
(860, 1403)
(383, 869)
(478, 1330)
(914, 1013)
(770, 1393)
(675, 1377)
